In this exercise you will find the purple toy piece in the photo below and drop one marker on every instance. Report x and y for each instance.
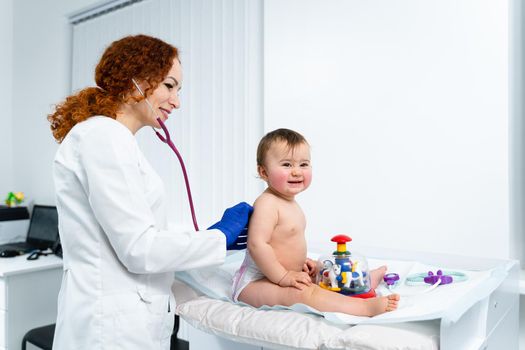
(391, 278)
(432, 279)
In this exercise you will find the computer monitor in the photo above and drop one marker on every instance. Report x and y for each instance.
(43, 226)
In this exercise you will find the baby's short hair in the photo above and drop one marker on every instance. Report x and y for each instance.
(292, 139)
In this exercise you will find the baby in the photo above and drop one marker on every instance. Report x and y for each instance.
(276, 270)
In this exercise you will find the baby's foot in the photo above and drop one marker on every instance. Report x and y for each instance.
(380, 305)
(376, 276)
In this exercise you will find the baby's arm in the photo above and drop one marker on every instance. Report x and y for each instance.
(262, 224)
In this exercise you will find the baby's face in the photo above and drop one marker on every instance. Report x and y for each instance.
(287, 170)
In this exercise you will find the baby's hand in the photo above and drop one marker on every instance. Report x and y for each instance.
(310, 267)
(295, 279)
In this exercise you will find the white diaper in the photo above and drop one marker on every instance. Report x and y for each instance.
(247, 273)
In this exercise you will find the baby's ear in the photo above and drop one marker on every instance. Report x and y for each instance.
(262, 172)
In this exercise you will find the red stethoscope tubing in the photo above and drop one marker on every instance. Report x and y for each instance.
(167, 140)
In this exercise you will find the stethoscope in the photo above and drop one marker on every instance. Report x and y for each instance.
(433, 279)
(167, 140)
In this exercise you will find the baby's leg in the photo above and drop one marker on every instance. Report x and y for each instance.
(264, 292)
(376, 276)
(325, 300)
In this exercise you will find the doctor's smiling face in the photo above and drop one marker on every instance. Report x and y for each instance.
(163, 100)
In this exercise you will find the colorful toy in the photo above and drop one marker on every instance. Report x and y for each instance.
(14, 199)
(344, 272)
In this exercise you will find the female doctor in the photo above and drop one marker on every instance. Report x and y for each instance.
(119, 256)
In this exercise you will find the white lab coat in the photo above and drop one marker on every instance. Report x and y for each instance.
(119, 256)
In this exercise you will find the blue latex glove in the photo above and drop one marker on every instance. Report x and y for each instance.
(234, 225)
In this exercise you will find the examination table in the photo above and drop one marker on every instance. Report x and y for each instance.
(491, 322)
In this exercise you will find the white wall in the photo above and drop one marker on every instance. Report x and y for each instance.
(407, 117)
(41, 46)
(405, 105)
(6, 61)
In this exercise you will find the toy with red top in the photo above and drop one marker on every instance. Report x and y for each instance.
(344, 272)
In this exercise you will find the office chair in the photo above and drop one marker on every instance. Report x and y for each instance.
(41, 337)
(176, 343)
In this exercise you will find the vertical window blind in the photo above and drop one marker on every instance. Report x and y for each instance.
(220, 120)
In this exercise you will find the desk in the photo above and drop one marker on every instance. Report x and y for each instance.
(28, 296)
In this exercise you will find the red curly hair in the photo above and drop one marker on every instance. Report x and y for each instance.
(142, 57)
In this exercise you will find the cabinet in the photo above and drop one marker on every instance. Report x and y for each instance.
(28, 296)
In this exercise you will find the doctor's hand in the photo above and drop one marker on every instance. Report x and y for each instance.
(234, 225)
(299, 280)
